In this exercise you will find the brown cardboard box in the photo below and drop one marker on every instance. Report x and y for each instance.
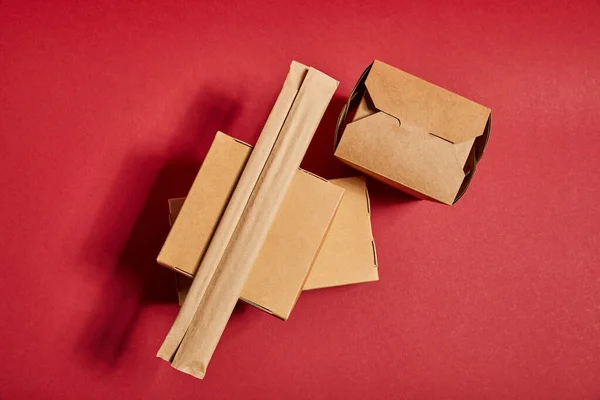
(292, 244)
(184, 247)
(247, 220)
(412, 135)
(293, 241)
(347, 254)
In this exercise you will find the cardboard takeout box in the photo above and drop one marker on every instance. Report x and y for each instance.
(412, 135)
(306, 232)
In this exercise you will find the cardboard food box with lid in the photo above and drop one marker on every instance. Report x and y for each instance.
(321, 236)
(411, 134)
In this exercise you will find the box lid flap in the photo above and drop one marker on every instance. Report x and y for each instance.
(416, 102)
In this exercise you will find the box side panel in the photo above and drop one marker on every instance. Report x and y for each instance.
(189, 237)
(417, 102)
(347, 255)
(292, 243)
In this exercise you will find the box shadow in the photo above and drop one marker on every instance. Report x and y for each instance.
(137, 280)
(319, 158)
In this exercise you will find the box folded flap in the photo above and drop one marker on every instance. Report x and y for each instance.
(416, 102)
(426, 164)
(411, 134)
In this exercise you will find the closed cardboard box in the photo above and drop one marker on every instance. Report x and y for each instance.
(348, 253)
(307, 232)
(412, 135)
(293, 240)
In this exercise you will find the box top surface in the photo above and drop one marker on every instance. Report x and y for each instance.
(411, 134)
(348, 254)
(292, 243)
(416, 102)
(188, 239)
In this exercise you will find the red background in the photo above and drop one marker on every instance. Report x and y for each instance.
(108, 108)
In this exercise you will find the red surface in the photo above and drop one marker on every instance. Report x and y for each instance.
(107, 109)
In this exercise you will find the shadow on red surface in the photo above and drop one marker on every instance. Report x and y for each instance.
(137, 280)
(319, 157)
(386, 195)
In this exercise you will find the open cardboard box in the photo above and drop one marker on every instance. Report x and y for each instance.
(321, 236)
(412, 135)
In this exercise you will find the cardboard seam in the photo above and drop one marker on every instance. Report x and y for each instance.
(377, 111)
(371, 227)
(389, 115)
(444, 139)
(315, 175)
(242, 142)
(262, 308)
(374, 252)
(370, 106)
(183, 272)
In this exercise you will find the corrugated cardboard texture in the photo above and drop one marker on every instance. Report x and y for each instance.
(225, 287)
(348, 253)
(414, 135)
(226, 228)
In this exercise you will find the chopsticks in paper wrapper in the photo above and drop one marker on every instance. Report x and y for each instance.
(233, 212)
(243, 228)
